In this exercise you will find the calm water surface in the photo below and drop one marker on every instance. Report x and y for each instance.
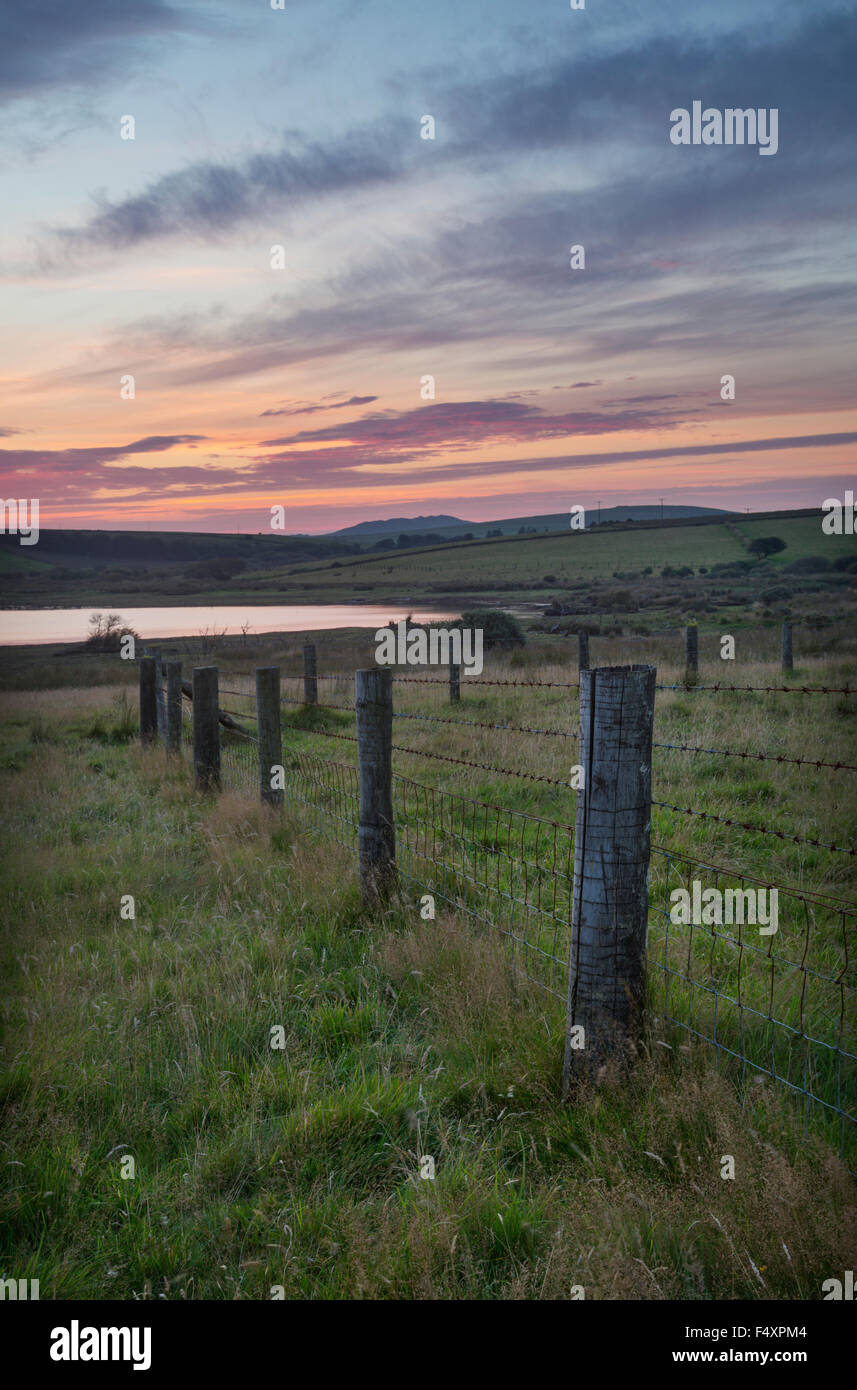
(72, 624)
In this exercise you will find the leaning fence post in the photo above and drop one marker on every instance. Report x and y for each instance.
(270, 737)
(454, 681)
(310, 676)
(376, 835)
(691, 655)
(583, 651)
(173, 671)
(148, 700)
(611, 863)
(788, 659)
(206, 729)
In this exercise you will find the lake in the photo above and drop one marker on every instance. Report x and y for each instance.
(18, 628)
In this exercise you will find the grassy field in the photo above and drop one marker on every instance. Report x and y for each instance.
(299, 1167)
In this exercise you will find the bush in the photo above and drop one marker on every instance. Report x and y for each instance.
(766, 545)
(808, 564)
(499, 629)
(619, 598)
(106, 632)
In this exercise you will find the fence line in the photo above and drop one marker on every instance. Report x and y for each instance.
(785, 1009)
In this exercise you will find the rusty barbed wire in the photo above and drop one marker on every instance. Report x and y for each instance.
(757, 757)
(575, 685)
(483, 767)
(480, 680)
(325, 733)
(568, 733)
(768, 689)
(807, 895)
(477, 724)
(759, 829)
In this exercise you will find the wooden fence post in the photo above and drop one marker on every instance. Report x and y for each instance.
(691, 655)
(173, 671)
(155, 652)
(611, 863)
(583, 651)
(206, 728)
(310, 676)
(376, 835)
(270, 737)
(148, 700)
(454, 681)
(788, 658)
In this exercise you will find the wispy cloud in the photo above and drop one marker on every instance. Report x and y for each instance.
(314, 409)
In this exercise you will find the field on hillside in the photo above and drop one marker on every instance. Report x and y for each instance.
(648, 573)
(299, 1167)
(516, 566)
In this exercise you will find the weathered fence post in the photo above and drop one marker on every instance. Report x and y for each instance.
(788, 659)
(611, 863)
(691, 655)
(376, 835)
(270, 738)
(173, 671)
(206, 728)
(310, 676)
(583, 651)
(454, 681)
(148, 700)
(155, 652)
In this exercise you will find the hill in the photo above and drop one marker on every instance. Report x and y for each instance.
(399, 523)
(450, 527)
(136, 550)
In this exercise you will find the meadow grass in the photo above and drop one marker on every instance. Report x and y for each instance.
(299, 1167)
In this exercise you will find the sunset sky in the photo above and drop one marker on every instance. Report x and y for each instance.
(406, 258)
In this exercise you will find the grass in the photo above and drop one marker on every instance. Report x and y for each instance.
(259, 1166)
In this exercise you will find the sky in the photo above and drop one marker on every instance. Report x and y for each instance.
(421, 343)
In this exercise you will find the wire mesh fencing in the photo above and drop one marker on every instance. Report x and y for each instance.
(777, 1006)
(776, 992)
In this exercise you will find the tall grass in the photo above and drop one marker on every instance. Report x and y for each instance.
(257, 1166)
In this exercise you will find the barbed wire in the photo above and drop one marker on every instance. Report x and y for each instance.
(483, 767)
(567, 733)
(478, 724)
(757, 757)
(768, 689)
(758, 829)
(440, 757)
(816, 899)
(481, 680)
(575, 685)
(325, 733)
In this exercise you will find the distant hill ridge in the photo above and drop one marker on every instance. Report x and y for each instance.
(398, 524)
(449, 526)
